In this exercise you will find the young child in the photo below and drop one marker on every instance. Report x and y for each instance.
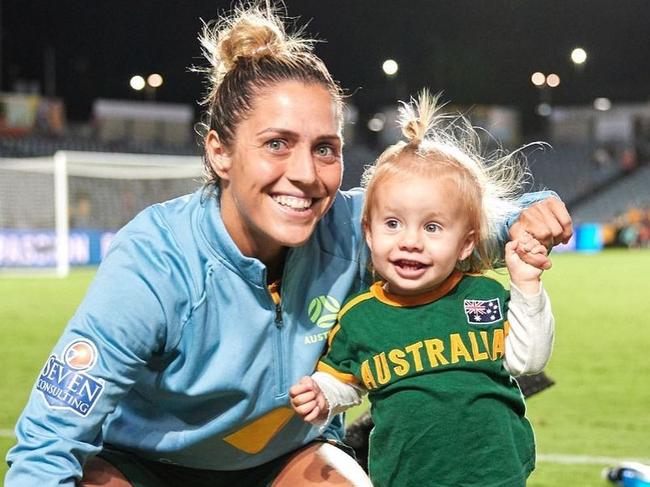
(434, 343)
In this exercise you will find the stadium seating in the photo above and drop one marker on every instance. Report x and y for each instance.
(39, 145)
(572, 171)
(632, 190)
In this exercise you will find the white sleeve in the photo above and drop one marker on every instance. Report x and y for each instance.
(532, 327)
(340, 396)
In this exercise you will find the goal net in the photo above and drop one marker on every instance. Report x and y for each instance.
(64, 210)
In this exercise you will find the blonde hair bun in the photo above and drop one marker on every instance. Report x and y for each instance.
(250, 36)
(418, 118)
(251, 33)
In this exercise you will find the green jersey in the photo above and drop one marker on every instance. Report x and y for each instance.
(446, 411)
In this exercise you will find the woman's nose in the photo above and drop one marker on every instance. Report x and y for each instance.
(301, 168)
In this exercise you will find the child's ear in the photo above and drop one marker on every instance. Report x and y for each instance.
(468, 245)
(368, 235)
(217, 155)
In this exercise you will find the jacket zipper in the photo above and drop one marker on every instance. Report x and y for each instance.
(279, 326)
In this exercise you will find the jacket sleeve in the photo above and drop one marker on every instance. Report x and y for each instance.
(122, 322)
(530, 338)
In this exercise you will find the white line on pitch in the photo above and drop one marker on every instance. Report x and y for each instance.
(585, 459)
(7, 433)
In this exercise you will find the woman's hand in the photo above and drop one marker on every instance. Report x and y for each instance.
(549, 222)
(308, 400)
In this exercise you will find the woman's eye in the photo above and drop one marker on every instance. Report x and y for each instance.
(325, 152)
(276, 145)
(431, 227)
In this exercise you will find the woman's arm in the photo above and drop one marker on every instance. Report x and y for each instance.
(120, 324)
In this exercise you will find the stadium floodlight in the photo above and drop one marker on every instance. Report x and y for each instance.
(390, 67)
(538, 78)
(553, 80)
(155, 80)
(137, 82)
(64, 209)
(578, 56)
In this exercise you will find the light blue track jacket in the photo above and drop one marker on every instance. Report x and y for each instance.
(178, 351)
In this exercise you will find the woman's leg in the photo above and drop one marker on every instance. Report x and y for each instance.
(98, 472)
(322, 464)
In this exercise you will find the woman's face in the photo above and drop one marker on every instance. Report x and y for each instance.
(283, 170)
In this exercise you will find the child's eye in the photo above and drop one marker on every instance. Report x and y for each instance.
(392, 224)
(431, 227)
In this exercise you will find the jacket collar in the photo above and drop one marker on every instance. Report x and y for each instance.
(221, 244)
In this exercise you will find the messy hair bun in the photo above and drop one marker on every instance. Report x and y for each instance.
(252, 33)
(250, 37)
(418, 117)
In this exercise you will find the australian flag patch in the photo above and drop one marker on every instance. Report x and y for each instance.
(482, 311)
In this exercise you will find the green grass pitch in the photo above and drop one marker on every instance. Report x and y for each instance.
(599, 409)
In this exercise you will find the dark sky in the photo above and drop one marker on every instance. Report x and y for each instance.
(477, 51)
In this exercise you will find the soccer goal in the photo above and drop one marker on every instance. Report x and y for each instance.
(64, 210)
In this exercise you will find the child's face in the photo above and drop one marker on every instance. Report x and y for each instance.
(417, 232)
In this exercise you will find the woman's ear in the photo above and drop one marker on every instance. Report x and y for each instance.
(217, 155)
(468, 245)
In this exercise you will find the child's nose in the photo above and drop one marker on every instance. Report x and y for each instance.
(411, 240)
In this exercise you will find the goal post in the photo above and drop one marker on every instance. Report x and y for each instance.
(63, 210)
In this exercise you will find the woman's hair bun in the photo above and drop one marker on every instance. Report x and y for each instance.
(250, 33)
(250, 36)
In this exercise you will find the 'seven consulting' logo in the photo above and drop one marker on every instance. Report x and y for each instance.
(64, 385)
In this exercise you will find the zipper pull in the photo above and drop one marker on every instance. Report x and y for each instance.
(278, 315)
(274, 291)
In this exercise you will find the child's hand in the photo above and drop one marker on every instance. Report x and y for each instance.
(308, 400)
(525, 276)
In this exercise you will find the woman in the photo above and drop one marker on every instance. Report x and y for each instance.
(177, 365)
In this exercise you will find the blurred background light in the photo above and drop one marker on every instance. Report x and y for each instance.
(390, 67)
(553, 80)
(602, 104)
(377, 122)
(544, 109)
(155, 80)
(137, 82)
(579, 55)
(538, 78)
